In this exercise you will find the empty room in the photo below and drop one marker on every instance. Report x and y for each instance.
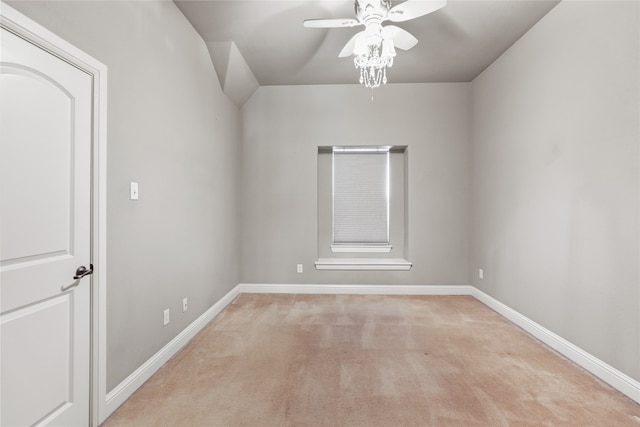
(320, 213)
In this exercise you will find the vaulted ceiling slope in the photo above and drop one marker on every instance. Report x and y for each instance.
(456, 43)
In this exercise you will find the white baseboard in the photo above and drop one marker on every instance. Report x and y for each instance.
(600, 369)
(616, 379)
(264, 288)
(126, 388)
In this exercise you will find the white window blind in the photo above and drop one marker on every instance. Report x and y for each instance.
(360, 196)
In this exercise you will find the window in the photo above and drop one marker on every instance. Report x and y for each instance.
(360, 198)
(361, 208)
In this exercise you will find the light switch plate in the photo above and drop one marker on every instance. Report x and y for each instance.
(133, 190)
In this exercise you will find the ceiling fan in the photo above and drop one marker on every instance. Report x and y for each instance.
(374, 47)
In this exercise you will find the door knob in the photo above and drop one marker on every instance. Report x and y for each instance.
(83, 271)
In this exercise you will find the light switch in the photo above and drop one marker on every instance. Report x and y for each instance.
(133, 190)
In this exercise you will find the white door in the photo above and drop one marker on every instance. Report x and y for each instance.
(45, 235)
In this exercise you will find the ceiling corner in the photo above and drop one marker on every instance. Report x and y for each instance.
(236, 78)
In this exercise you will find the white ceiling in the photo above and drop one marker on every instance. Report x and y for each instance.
(456, 43)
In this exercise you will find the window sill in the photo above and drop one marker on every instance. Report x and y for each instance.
(363, 264)
(361, 248)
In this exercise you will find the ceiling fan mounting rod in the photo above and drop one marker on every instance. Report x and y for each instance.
(372, 12)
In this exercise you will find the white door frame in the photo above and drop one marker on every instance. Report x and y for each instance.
(15, 22)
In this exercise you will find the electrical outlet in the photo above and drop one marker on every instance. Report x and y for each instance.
(481, 273)
(299, 268)
(185, 304)
(166, 317)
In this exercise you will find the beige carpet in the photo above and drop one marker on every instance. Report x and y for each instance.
(303, 360)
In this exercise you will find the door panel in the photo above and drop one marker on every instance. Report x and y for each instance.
(45, 184)
(43, 382)
(49, 163)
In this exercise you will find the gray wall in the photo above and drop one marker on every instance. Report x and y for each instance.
(171, 129)
(556, 178)
(554, 165)
(282, 127)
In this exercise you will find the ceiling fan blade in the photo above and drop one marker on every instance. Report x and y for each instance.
(402, 39)
(331, 23)
(411, 9)
(348, 49)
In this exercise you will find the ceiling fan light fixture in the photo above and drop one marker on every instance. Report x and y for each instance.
(388, 50)
(361, 48)
(375, 47)
(373, 65)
